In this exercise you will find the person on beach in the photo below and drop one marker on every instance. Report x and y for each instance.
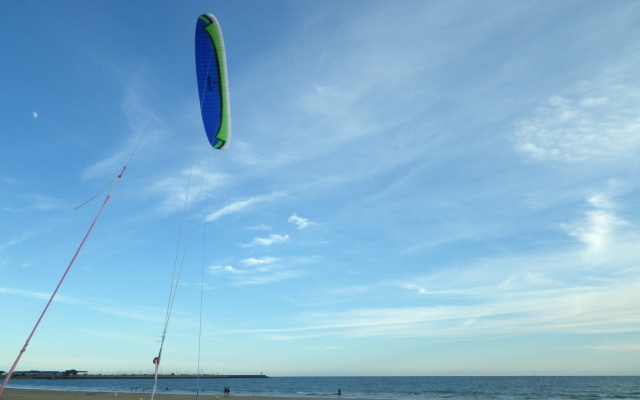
(339, 392)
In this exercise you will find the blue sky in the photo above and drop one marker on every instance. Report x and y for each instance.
(411, 188)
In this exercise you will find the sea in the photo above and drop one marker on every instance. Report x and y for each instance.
(391, 388)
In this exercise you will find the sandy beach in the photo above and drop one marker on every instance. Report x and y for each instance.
(25, 394)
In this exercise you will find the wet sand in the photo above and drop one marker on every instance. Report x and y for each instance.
(26, 394)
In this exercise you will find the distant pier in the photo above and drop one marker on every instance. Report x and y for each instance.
(53, 375)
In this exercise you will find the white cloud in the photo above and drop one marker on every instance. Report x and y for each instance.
(414, 288)
(272, 239)
(598, 227)
(580, 126)
(224, 268)
(259, 271)
(299, 221)
(600, 201)
(595, 230)
(259, 261)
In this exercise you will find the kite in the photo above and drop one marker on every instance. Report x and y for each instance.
(213, 87)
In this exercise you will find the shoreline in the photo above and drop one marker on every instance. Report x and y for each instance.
(34, 394)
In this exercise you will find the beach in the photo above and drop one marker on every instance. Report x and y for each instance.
(352, 388)
(27, 394)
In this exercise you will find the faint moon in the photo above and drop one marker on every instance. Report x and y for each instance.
(35, 114)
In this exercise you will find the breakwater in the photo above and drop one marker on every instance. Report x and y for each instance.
(134, 376)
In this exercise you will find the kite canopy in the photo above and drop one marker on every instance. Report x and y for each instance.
(211, 68)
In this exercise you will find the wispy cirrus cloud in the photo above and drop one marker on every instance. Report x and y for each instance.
(37, 295)
(38, 203)
(568, 310)
(242, 205)
(14, 241)
(191, 185)
(132, 312)
(142, 125)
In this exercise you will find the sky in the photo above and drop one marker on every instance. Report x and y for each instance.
(411, 188)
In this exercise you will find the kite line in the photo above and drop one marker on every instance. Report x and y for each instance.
(113, 184)
(213, 90)
(175, 280)
(204, 246)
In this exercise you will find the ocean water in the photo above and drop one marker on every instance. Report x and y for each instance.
(414, 388)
